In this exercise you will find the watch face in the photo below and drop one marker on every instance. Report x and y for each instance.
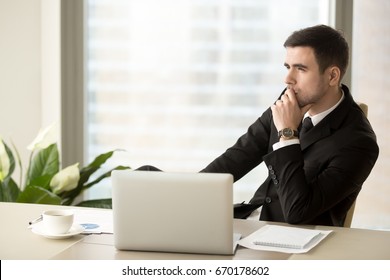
(287, 132)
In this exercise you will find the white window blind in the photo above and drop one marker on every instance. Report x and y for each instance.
(176, 82)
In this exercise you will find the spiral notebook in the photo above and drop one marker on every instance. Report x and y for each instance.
(287, 237)
(284, 239)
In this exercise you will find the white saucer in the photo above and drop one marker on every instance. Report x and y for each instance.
(39, 229)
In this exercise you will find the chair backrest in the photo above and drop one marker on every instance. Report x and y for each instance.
(348, 218)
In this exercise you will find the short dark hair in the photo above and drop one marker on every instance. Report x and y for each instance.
(329, 45)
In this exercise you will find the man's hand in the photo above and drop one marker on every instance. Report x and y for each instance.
(286, 111)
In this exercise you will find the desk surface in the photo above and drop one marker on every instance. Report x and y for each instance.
(18, 242)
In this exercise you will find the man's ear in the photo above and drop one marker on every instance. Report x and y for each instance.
(334, 75)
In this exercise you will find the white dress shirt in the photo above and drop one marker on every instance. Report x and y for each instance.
(314, 119)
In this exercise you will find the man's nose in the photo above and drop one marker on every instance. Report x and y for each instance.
(289, 79)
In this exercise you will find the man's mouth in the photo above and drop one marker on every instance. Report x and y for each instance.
(293, 90)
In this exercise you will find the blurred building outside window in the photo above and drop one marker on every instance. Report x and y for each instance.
(174, 83)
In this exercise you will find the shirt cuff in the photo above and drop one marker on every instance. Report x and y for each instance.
(285, 143)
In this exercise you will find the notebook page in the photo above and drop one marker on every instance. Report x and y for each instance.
(284, 239)
(287, 237)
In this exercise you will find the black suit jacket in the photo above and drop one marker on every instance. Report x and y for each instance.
(315, 182)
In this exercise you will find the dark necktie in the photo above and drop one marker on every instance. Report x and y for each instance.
(306, 125)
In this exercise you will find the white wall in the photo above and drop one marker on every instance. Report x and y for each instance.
(20, 71)
(27, 58)
(50, 62)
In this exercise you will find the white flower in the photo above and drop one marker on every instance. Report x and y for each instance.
(4, 161)
(66, 179)
(45, 138)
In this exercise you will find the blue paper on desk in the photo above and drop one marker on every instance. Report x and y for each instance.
(94, 221)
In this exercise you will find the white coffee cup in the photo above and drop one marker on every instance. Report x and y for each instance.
(57, 221)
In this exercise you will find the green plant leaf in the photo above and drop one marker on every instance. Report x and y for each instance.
(36, 194)
(42, 181)
(97, 203)
(69, 197)
(105, 175)
(9, 190)
(44, 163)
(85, 174)
(87, 171)
(11, 160)
(19, 161)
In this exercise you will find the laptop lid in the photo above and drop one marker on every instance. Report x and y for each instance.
(173, 212)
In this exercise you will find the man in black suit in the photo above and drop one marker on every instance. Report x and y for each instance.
(314, 175)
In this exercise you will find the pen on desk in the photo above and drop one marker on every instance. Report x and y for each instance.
(36, 220)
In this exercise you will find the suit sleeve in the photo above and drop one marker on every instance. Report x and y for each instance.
(247, 152)
(307, 190)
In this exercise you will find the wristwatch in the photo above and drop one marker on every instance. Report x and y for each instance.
(287, 133)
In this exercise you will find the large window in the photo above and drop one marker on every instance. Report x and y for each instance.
(174, 83)
(370, 61)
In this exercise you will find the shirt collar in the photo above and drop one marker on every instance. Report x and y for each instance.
(319, 117)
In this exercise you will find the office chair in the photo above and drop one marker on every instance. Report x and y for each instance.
(348, 218)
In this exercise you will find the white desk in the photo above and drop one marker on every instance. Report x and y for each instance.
(18, 242)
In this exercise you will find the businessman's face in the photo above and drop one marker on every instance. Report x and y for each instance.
(304, 77)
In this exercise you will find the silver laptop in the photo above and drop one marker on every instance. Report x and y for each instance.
(173, 212)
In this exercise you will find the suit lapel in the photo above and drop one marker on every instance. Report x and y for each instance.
(330, 123)
(314, 135)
